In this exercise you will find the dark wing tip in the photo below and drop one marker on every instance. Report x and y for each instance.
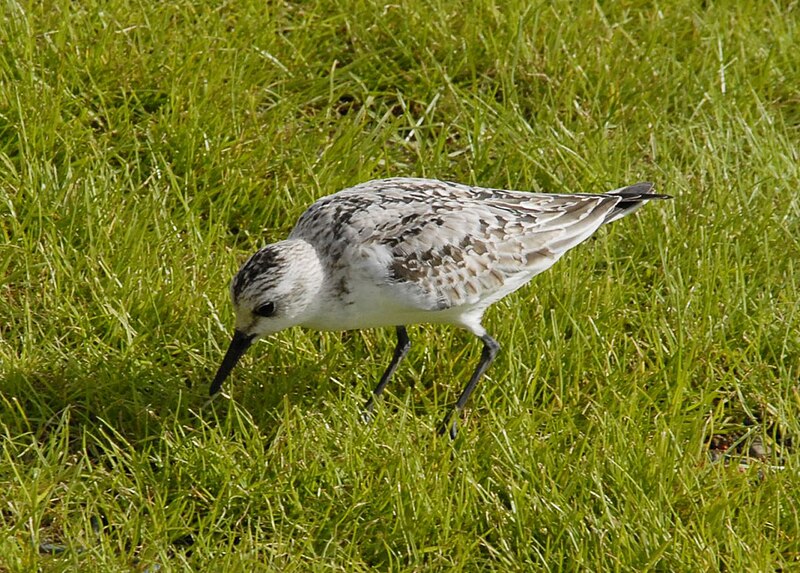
(640, 187)
(639, 191)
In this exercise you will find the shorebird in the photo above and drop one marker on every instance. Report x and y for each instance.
(402, 251)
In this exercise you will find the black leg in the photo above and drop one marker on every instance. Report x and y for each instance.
(490, 348)
(403, 344)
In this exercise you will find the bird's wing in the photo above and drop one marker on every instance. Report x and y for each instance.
(442, 244)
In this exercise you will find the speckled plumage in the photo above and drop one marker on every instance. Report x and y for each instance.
(402, 251)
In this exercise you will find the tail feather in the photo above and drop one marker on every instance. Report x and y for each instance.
(633, 197)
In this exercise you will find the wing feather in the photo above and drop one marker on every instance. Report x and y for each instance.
(442, 244)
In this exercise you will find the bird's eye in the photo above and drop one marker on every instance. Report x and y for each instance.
(265, 310)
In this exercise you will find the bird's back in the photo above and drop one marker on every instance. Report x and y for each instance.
(433, 245)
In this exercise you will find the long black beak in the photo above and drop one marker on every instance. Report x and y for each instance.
(239, 345)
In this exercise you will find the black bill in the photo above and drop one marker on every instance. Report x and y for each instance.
(239, 345)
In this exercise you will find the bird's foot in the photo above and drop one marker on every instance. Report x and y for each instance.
(448, 427)
(366, 413)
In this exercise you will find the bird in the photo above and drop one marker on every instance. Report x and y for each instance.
(404, 251)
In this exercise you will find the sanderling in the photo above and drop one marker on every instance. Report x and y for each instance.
(395, 252)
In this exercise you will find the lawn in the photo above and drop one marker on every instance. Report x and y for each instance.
(643, 411)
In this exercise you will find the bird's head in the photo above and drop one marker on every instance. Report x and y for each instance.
(276, 288)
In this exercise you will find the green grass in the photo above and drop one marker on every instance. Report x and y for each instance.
(147, 148)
